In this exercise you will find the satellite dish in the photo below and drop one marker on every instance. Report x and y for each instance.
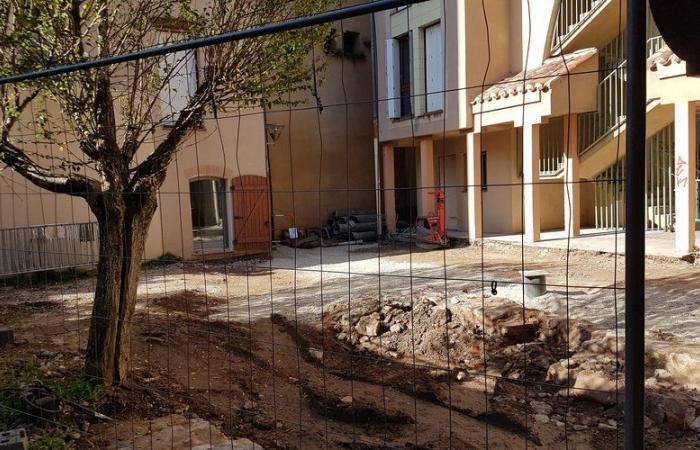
(679, 24)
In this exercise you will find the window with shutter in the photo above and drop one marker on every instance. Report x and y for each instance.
(434, 73)
(405, 76)
(393, 93)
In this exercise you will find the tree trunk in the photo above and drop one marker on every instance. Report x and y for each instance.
(123, 221)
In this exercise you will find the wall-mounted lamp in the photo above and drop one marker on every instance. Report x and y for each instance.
(273, 132)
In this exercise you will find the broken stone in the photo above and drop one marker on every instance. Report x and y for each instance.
(396, 328)
(461, 375)
(606, 427)
(541, 418)
(438, 374)
(347, 400)
(597, 387)
(175, 431)
(235, 444)
(316, 354)
(520, 332)
(559, 373)
(673, 410)
(45, 354)
(370, 325)
(578, 334)
(662, 374)
(602, 342)
(541, 407)
(442, 314)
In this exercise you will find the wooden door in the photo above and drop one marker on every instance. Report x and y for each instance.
(251, 213)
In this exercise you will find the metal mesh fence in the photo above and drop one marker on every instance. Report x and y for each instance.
(331, 228)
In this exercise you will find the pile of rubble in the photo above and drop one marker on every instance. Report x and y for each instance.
(577, 370)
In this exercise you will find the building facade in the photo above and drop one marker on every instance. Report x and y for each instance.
(322, 157)
(528, 135)
(214, 200)
(239, 180)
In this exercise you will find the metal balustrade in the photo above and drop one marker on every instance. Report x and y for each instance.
(552, 147)
(595, 126)
(660, 181)
(572, 13)
(48, 247)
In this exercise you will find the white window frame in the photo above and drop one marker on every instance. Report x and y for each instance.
(181, 85)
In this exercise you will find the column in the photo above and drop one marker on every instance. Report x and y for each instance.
(572, 187)
(531, 179)
(474, 210)
(389, 186)
(685, 167)
(426, 183)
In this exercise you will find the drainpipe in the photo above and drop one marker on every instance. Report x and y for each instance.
(634, 220)
(268, 169)
(375, 126)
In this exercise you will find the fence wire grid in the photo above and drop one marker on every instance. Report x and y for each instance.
(278, 279)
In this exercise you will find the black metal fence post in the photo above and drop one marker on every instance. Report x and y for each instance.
(634, 214)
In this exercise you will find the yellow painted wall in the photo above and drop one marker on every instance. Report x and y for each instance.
(453, 150)
(333, 151)
(202, 154)
(502, 200)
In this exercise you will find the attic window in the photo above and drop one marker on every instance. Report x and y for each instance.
(345, 45)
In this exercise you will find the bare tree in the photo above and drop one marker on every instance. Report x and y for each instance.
(103, 117)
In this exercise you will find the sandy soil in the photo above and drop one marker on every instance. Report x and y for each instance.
(235, 343)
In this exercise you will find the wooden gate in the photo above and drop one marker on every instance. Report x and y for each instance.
(251, 213)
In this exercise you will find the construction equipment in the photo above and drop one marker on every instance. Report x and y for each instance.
(434, 223)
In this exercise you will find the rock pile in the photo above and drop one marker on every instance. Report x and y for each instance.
(569, 359)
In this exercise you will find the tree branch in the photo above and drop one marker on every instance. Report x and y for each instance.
(20, 105)
(152, 169)
(72, 184)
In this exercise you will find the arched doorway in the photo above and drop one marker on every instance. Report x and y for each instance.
(211, 229)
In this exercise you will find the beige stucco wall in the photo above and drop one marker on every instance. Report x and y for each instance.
(332, 151)
(202, 154)
(502, 204)
(587, 204)
(450, 174)
(552, 204)
(205, 154)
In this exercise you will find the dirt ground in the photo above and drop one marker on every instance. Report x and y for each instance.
(271, 350)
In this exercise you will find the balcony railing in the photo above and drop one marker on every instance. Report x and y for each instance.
(572, 13)
(47, 247)
(659, 213)
(552, 147)
(597, 125)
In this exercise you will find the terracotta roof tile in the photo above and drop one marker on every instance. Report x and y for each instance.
(664, 57)
(538, 79)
